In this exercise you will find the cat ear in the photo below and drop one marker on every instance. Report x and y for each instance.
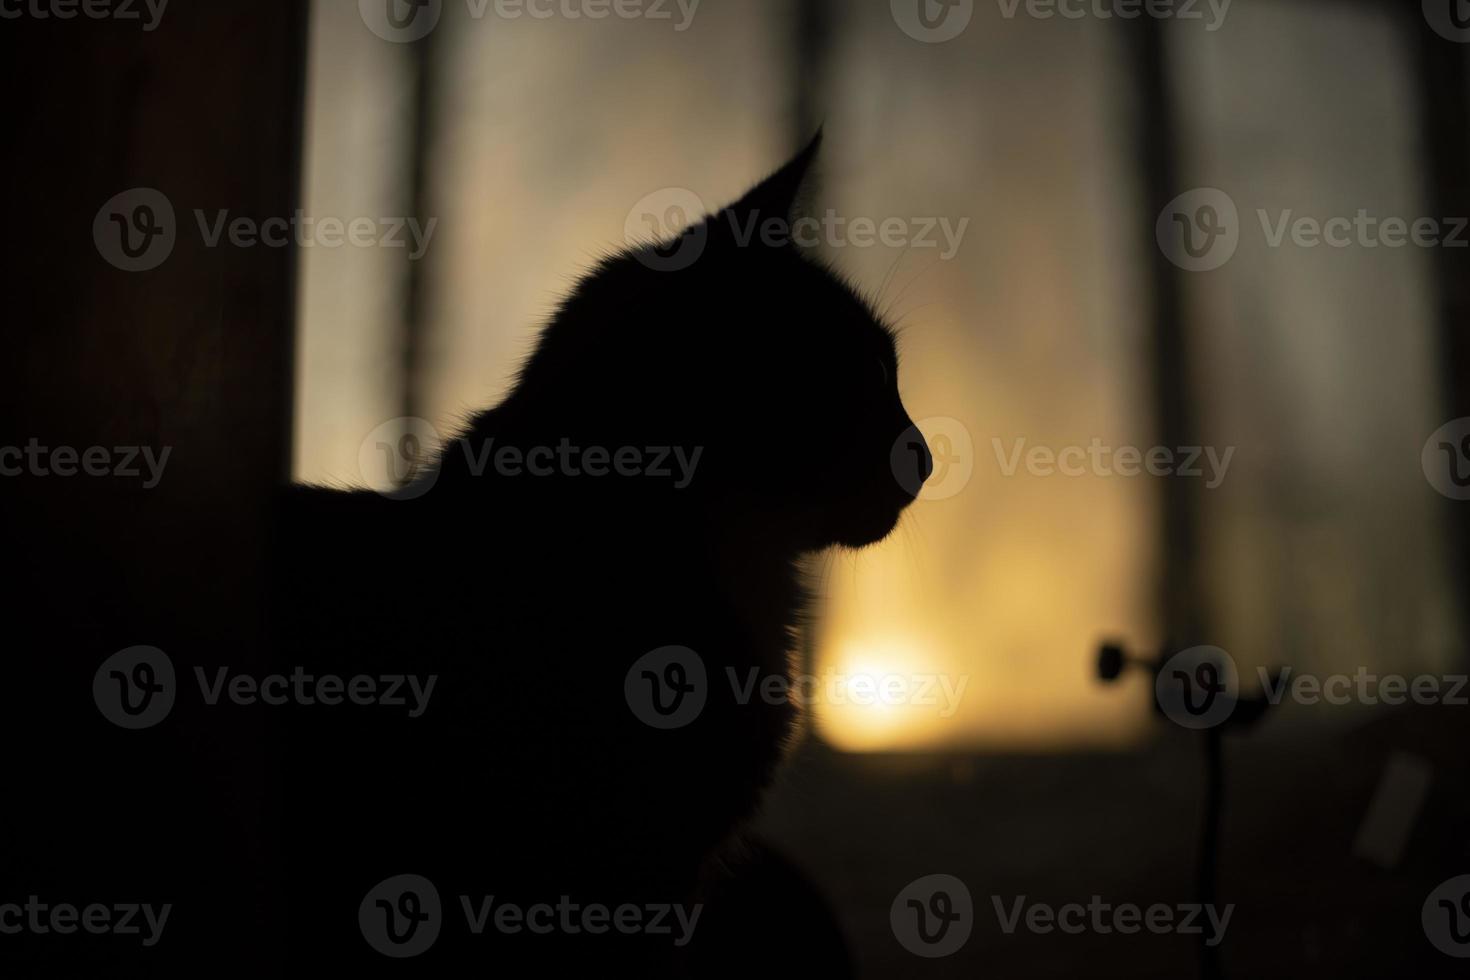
(776, 196)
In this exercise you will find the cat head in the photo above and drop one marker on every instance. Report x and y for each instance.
(730, 339)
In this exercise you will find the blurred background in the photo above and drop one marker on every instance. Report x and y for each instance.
(530, 141)
(1058, 135)
(1115, 185)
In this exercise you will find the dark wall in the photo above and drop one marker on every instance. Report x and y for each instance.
(193, 356)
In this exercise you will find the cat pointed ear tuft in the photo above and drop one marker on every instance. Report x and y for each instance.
(776, 196)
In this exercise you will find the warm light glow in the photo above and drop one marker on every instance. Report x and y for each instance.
(999, 652)
(881, 693)
(1028, 330)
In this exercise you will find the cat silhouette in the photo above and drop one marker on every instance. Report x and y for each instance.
(592, 572)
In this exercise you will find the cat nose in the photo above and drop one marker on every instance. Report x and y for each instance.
(912, 461)
(926, 460)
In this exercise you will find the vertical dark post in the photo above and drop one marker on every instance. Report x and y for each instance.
(1208, 871)
(1156, 148)
(1444, 111)
(1180, 590)
(813, 37)
(413, 326)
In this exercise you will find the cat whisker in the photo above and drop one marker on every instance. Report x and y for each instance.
(899, 327)
(888, 278)
(910, 284)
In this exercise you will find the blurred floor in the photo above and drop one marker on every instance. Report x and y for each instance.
(1124, 826)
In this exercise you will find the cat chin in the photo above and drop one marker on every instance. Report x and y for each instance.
(867, 532)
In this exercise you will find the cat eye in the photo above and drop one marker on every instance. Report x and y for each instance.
(883, 367)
